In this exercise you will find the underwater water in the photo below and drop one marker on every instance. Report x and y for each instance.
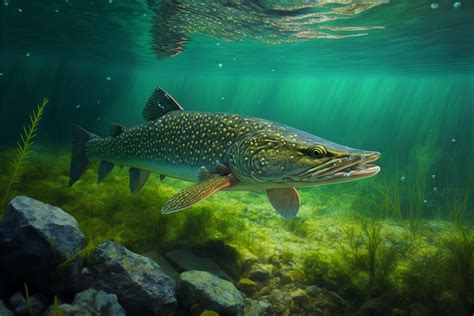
(393, 77)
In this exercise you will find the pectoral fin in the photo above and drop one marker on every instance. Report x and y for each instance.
(138, 178)
(189, 196)
(285, 201)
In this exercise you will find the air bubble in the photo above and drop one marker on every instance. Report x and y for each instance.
(220, 65)
(433, 176)
(425, 201)
(434, 5)
(78, 106)
(28, 54)
(108, 78)
(453, 140)
(435, 189)
(457, 4)
(403, 178)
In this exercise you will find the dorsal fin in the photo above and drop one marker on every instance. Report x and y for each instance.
(116, 129)
(159, 104)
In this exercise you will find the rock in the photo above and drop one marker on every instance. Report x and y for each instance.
(374, 306)
(329, 301)
(141, 286)
(399, 312)
(210, 292)
(257, 308)
(17, 299)
(259, 272)
(20, 305)
(35, 239)
(264, 291)
(285, 277)
(4, 311)
(313, 290)
(184, 260)
(247, 259)
(92, 303)
(164, 264)
(247, 286)
(300, 297)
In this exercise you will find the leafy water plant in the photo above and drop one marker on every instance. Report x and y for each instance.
(24, 148)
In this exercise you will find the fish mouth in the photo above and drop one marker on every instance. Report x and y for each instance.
(360, 171)
(347, 168)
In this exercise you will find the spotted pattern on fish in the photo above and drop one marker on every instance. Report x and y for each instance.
(193, 139)
(219, 151)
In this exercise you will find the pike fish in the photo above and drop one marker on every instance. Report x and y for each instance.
(219, 151)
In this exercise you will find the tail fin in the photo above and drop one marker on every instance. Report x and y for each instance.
(79, 161)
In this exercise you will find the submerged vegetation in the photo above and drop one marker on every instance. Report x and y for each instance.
(23, 150)
(338, 241)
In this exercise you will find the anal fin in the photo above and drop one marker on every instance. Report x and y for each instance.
(286, 201)
(192, 195)
(138, 178)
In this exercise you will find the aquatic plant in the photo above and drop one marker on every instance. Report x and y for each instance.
(460, 247)
(28, 300)
(23, 148)
(456, 204)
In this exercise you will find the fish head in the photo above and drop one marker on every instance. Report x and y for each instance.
(294, 158)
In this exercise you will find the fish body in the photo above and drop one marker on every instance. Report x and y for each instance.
(219, 151)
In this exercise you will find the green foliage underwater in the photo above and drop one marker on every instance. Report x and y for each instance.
(396, 77)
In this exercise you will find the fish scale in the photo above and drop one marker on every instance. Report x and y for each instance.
(219, 151)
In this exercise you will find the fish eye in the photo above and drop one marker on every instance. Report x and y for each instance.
(317, 151)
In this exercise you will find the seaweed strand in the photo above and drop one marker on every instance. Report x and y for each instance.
(23, 147)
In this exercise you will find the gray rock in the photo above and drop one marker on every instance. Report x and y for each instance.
(92, 303)
(257, 308)
(20, 305)
(17, 299)
(184, 260)
(4, 311)
(210, 292)
(313, 290)
(300, 297)
(163, 263)
(141, 286)
(259, 272)
(35, 239)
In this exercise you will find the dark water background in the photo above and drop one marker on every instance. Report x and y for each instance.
(403, 86)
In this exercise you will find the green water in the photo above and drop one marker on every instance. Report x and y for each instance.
(404, 86)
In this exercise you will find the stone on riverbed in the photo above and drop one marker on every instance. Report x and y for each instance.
(35, 239)
(140, 284)
(184, 260)
(91, 303)
(4, 311)
(210, 292)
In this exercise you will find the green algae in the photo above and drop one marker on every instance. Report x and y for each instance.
(370, 261)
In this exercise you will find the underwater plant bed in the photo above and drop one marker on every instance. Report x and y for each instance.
(329, 259)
